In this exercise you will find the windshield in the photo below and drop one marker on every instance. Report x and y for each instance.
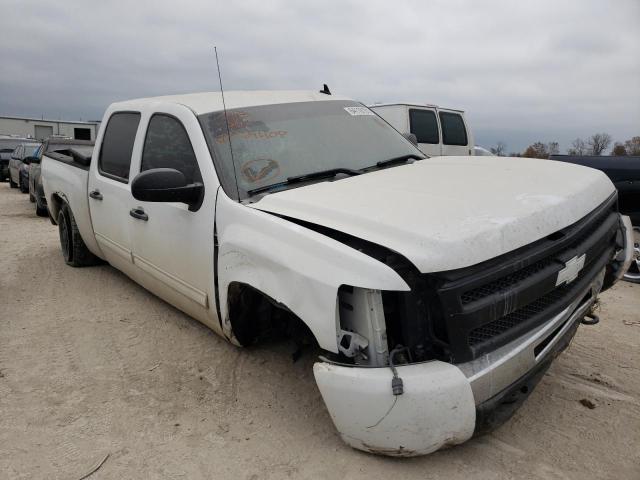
(30, 149)
(274, 142)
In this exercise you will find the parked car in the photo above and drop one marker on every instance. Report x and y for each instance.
(18, 168)
(59, 145)
(624, 172)
(439, 289)
(8, 144)
(439, 131)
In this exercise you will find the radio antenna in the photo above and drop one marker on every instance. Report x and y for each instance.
(226, 121)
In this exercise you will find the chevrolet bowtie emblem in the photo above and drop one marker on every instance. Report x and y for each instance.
(571, 270)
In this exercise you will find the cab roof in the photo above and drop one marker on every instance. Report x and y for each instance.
(206, 102)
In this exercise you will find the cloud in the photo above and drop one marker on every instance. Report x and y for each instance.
(523, 71)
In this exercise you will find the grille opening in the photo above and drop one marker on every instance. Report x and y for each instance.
(543, 344)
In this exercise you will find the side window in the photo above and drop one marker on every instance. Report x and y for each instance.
(424, 126)
(167, 145)
(117, 145)
(453, 131)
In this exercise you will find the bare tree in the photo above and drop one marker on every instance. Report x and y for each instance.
(598, 143)
(619, 150)
(553, 148)
(578, 147)
(537, 150)
(499, 149)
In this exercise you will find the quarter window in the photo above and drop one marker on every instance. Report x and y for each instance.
(167, 145)
(453, 130)
(117, 145)
(424, 126)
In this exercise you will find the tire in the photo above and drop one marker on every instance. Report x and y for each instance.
(633, 274)
(41, 210)
(74, 251)
(24, 186)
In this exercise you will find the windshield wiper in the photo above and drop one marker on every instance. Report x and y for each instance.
(401, 159)
(307, 176)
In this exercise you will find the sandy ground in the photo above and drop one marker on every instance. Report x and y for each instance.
(91, 364)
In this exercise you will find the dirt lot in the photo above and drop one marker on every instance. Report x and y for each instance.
(91, 364)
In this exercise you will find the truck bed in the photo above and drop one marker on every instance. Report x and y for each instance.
(624, 172)
(65, 176)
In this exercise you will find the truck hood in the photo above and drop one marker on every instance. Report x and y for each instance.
(445, 213)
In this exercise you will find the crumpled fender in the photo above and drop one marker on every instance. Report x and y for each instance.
(295, 266)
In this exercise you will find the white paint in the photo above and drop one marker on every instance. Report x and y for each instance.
(450, 212)
(436, 409)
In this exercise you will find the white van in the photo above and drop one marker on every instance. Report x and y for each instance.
(439, 131)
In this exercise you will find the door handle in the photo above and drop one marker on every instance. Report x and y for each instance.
(138, 213)
(95, 194)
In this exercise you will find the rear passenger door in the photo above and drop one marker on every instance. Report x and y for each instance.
(423, 123)
(455, 135)
(173, 244)
(110, 190)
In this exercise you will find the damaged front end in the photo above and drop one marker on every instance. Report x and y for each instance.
(458, 353)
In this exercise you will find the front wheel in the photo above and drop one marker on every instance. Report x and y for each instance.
(633, 274)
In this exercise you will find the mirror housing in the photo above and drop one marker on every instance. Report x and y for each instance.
(166, 185)
(30, 160)
(411, 137)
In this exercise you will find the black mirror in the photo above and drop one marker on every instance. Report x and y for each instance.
(411, 137)
(166, 185)
(30, 160)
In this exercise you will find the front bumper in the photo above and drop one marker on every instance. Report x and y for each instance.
(444, 404)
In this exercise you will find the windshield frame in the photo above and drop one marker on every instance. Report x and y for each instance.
(230, 186)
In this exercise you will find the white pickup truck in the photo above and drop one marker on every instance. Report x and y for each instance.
(439, 290)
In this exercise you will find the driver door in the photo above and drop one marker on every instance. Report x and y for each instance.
(173, 243)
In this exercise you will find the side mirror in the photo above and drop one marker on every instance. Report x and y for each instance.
(411, 137)
(166, 185)
(30, 160)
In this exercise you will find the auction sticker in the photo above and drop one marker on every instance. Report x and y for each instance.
(355, 111)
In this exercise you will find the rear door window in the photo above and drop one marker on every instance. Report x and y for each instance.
(167, 145)
(453, 129)
(424, 126)
(117, 145)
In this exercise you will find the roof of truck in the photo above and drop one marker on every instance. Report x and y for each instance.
(414, 104)
(206, 102)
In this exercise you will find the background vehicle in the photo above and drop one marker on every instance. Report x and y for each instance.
(304, 212)
(624, 172)
(8, 144)
(439, 131)
(63, 146)
(18, 168)
(482, 152)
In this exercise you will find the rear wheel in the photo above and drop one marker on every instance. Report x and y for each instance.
(74, 250)
(633, 274)
(41, 210)
(24, 184)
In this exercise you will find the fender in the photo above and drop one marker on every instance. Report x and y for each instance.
(295, 266)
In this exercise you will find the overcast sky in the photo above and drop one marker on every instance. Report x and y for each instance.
(523, 71)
